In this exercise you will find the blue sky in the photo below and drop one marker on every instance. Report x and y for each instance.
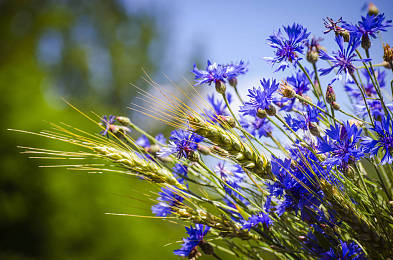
(225, 31)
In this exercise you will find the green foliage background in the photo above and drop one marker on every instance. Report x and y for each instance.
(54, 213)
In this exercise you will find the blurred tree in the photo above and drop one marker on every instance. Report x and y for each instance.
(82, 50)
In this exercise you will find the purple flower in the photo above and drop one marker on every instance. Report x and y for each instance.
(343, 59)
(289, 46)
(347, 251)
(254, 220)
(375, 107)
(260, 99)
(297, 183)
(218, 73)
(195, 238)
(168, 200)
(369, 26)
(305, 121)
(182, 143)
(232, 176)
(383, 141)
(369, 88)
(180, 171)
(235, 69)
(107, 122)
(341, 144)
(256, 126)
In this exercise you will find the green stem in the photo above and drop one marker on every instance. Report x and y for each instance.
(319, 82)
(238, 95)
(309, 79)
(364, 97)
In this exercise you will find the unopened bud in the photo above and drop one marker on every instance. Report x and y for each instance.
(261, 113)
(154, 148)
(220, 87)
(271, 110)
(123, 120)
(312, 56)
(233, 82)
(330, 94)
(314, 129)
(119, 130)
(372, 9)
(345, 34)
(387, 53)
(366, 43)
(203, 149)
(287, 90)
(335, 105)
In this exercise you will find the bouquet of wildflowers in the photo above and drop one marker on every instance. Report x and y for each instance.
(290, 173)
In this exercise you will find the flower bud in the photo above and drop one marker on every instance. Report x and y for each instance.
(286, 90)
(312, 56)
(220, 87)
(123, 120)
(345, 34)
(356, 122)
(387, 53)
(335, 105)
(271, 110)
(366, 43)
(330, 94)
(203, 149)
(261, 113)
(372, 9)
(119, 130)
(314, 129)
(233, 82)
(154, 148)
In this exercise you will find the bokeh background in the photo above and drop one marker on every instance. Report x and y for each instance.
(90, 53)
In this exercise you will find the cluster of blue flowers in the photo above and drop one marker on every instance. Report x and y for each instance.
(324, 150)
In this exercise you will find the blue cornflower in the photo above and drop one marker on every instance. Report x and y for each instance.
(254, 220)
(232, 176)
(297, 183)
(384, 140)
(343, 59)
(216, 73)
(369, 88)
(288, 47)
(368, 26)
(256, 126)
(107, 122)
(340, 142)
(300, 84)
(375, 107)
(168, 200)
(195, 238)
(260, 99)
(347, 251)
(219, 107)
(182, 143)
(233, 70)
(306, 121)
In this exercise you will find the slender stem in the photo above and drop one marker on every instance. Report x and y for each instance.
(238, 95)
(309, 79)
(319, 82)
(151, 138)
(364, 97)
(381, 180)
(334, 118)
(374, 80)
